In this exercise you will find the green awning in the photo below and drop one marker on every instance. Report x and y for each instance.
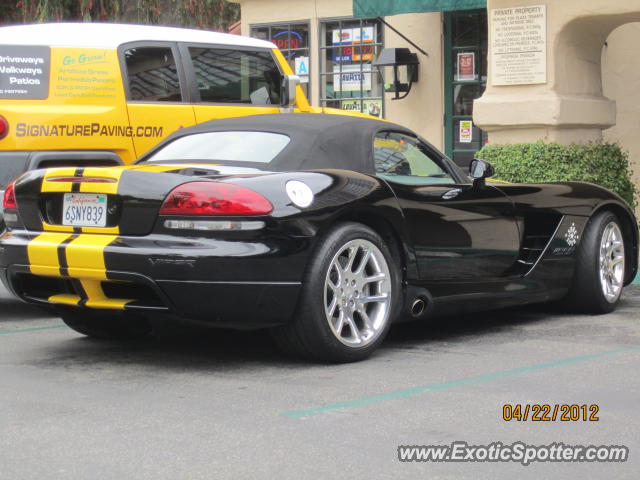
(382, 8)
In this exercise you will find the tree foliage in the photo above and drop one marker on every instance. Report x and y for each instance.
(205, 14)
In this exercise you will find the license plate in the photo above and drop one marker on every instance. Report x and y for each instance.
(84, 209)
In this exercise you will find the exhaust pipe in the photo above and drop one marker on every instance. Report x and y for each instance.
(418, 303)
(418, 307)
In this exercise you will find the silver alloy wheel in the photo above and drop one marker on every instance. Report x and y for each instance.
(357, 293)
(611, 262)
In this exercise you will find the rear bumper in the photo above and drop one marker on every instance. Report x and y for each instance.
(241, 304)
(244, 283)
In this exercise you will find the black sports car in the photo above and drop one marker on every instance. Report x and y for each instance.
(324, 228)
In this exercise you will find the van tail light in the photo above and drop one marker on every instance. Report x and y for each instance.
(214, 198)
(4, 127)
(9, 202)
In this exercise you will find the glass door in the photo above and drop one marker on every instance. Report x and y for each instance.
(465, 45)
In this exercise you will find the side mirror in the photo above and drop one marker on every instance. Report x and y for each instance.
(479, 170)
(288, 90)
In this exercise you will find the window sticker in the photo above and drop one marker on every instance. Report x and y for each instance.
(466, 131)
(24, 72)
(466, 67)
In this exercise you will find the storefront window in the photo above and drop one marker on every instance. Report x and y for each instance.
(465, 81)
(347, 78)
(293, 40)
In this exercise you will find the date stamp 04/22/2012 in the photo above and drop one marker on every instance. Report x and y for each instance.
(539, 412)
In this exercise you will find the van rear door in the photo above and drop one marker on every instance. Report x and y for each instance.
(231, 81)
(158, 96)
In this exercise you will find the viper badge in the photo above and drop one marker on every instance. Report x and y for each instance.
(572, 235)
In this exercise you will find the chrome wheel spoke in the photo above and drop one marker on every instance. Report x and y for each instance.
(340, 324)
(363, 262)
(374, 298)
(351, 257)
(375, 277)
(355, 333)
(332, 307)
(365, 319)
(335, 267)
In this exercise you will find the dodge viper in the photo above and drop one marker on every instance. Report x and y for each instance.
(324, 229)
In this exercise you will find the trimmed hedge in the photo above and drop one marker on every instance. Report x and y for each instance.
(604, 164)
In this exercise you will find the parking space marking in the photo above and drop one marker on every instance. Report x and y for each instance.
(360, 402)
(34, 329)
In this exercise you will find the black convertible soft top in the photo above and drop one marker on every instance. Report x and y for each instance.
(318, 140)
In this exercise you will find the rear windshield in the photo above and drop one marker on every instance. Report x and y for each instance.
(251, 147)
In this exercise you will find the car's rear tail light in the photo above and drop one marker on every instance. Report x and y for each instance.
(4, 127)
(214, 198)
(9, 202)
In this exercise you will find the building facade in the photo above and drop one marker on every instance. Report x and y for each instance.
(514, 71)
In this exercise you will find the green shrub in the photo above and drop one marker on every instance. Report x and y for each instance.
(604, 164)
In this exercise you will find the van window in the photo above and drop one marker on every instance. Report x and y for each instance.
(152, 75)
(236, 76)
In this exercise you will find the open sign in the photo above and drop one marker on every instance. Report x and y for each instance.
(288, 40)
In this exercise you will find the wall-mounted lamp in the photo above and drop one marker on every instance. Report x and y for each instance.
(397, 58)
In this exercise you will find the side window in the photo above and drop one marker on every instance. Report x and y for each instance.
(402, 158)
(236, 76)
(152, 75)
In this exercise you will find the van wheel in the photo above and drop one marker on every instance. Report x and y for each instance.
(105, 324)
(350, 296)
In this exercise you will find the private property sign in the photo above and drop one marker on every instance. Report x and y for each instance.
(519, 45)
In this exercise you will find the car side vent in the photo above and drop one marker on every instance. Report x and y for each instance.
(538, 230)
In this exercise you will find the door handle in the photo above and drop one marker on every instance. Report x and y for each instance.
(450, 194)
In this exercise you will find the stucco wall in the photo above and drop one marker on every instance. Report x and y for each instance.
(570, 107)
(423, 109)
(621, 82)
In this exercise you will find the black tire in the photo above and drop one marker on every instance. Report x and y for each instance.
(586, 293)
(105, 324)
(309, 335)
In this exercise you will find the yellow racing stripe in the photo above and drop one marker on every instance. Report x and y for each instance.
(57, 228)
(63, 187)
(97, 298)
(85, 256)
(104, 230)
(65, 299)
(43, 254)
(101, 172)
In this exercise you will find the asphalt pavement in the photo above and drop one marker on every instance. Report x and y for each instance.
(191, 403)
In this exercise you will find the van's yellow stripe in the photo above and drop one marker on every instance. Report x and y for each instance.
(85, 256)
(43, 254)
